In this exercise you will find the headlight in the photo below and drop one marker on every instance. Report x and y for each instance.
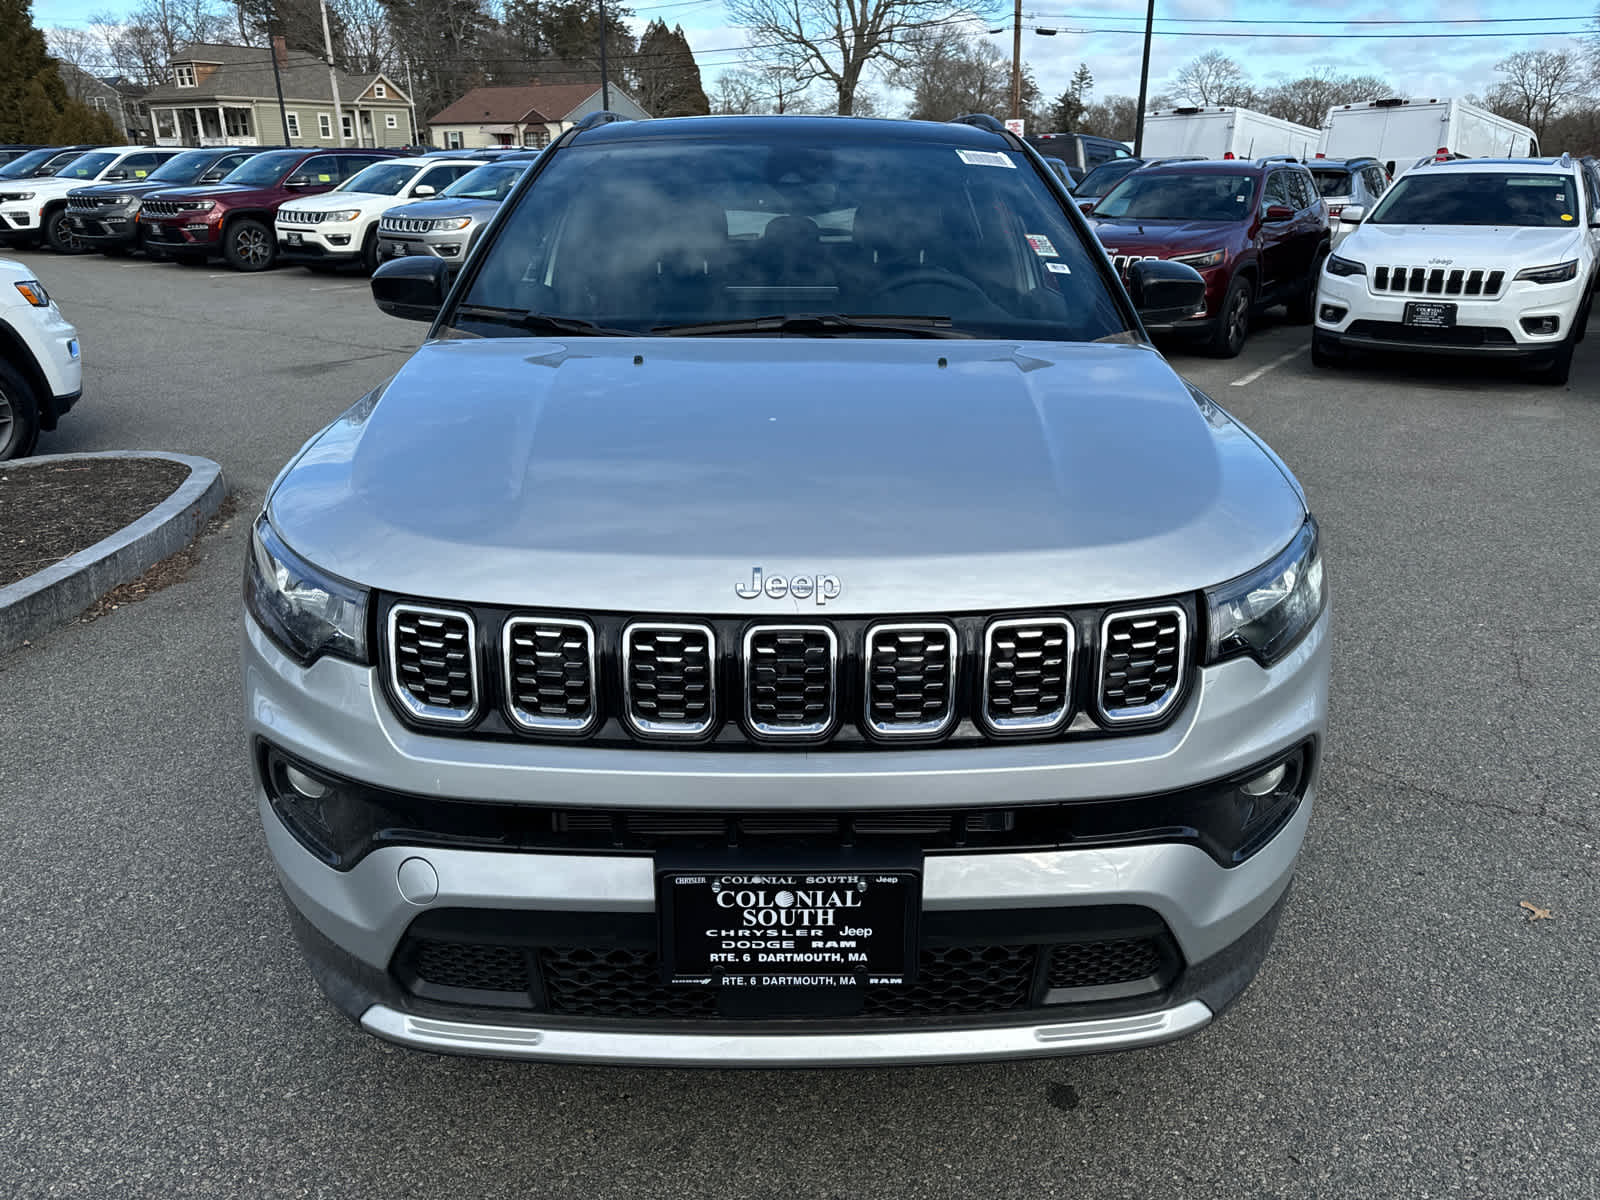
(1210, 258)
(1559, 273)
(33, 292)
(452, 222)
(306, 611)
(126, 201)
(203, 206)
(19, 195)
(1265, 613)
(345, 214)
(1345, 266)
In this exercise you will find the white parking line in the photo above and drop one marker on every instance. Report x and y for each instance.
(337, 287)
(1246, 380)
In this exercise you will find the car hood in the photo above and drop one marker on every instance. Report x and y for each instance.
(323, 200)
(445, 206)
(211, 191)
(47, 185)
(653, 475)
(1462, 245)
(1163, 237)
(119, 189)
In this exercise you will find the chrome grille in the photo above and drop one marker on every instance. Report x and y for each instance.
(1027, 674)
(668, 679)
(290, 217)
(910, 679)
(406, 225)
(433, 666)
(1123, 261)
(1437, 281)
(165, 208)
(790, 677)
(549, 674)
(1141, 662)
(87, 203)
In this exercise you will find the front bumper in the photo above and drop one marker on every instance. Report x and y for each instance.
(313, 243)
(187, 232)
(1349, 315)
(105, 229)
(353, 923)
(450, 246)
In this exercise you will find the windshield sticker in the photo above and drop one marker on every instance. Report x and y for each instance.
(324, 178)
(1058, 268)
(985, 158)
(1566, 216)
(1041, 245)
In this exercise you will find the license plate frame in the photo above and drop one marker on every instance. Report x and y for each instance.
(1429, 314)
(860, 929)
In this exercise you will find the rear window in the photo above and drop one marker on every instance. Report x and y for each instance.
(1334, 183)
(1180, 196)
(492, 181)
(1449, 197)
(1103, 178)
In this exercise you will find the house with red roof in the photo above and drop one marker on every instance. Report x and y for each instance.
(533, 114)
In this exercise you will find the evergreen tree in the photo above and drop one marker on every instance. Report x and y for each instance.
(34, 104)
(1070, 106)
(666, 76)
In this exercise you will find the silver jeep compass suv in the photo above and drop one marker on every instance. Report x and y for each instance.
(785, 613)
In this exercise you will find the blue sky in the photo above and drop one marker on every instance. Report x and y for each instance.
(1442, 66)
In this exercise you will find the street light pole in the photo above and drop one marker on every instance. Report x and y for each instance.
(333, 77)
(1016, 62)
(1144, 81)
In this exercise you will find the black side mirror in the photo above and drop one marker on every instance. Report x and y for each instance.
(1165, 292)
(297, 181)
(413, 289)
(116, 176)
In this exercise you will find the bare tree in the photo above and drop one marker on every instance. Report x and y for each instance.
(81, 48)
(369, 46)
(1213, 78)
(1306, 100)
(1114, 117)
(134, 51)
(949, 70)
(1538, 84)
(836, 40)
(760, 89)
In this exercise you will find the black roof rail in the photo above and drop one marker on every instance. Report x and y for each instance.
(981, 120)
(596, 119)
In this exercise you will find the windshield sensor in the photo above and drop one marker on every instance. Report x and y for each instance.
(820, 324)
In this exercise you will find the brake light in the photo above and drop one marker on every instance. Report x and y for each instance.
(1228, 155)
(1320, 154)
(1335, 209)
(1442, 154)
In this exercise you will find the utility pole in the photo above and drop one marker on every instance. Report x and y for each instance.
(1144, 81)
(411, 97)
(277, 82)
(605, 83)
(1016, 62)
(333, 76)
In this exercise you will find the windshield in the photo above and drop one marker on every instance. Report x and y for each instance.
(1104, 177)
(86, 166)
(1449, 197)
(182, 168)
(263, 170)
(1333, 183)
(493, 181)
(1180, 196)
(24, 165)
(882, 238)
(380, 179)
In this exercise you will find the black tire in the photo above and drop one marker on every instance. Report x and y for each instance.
(1303, 308)
(1580, 324)
(59, 234)
(19, 414)
(1557, 369)
(249, 245)
(369, 250)
(1322, 354)
(1233, 319)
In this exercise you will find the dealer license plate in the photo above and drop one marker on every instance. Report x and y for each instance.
(294, 239)
(790, 929)
(1428, 315)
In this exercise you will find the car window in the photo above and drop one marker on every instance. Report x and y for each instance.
(1161, 195)
(492, 181)
(320, 171)
(24, 165)
(181, 168)
(1333, 182)
(223, 165)
(439, 178)
(1096, 152)
(1545, 200)
(1277, 190)
(381, 179)
(1302, 189)
(1101, 180)
(354, 164)
(139, 166)
(651, 233)
(87, 166)
(263, 170)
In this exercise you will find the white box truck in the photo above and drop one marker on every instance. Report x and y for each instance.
(1225, 132)
(1398, 133)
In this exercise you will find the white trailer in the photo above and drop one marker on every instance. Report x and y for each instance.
(1226, 132)
(1400, 132)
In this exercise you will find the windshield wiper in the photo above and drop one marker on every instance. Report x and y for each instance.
(536, 322)
(821, 324)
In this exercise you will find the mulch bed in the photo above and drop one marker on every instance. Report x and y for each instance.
(47, 513)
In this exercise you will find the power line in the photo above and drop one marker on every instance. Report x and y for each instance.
(1050, 31)
(1319, 21)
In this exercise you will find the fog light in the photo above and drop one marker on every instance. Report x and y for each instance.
(339, 239)
(1541, 324)
(196, 227)
(1332, 313)
(1266, 782)
(312, 789)
(449, 251)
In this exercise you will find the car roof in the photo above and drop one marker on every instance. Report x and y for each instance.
(1341, 162)
(1562, 164)
(842, 130)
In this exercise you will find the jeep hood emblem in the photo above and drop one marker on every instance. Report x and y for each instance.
(802, 587)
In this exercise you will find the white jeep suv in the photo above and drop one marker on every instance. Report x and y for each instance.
(341, 226)
(41, 366)
(1486, 257)
(35, 209)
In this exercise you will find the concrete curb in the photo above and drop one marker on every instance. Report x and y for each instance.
(58, 593)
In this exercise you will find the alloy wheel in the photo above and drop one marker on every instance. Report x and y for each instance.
(1238, 320)
(252, 246)
(8, 426)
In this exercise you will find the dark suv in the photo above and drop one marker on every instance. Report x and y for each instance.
(106, 217)
(1078, 153)
(1257, 231)
(234, 217)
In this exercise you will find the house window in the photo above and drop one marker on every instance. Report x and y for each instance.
(325, 125)
(183, 75)
(347, 125)
(391, 121)
(238, 122)
(452, 139)
(538, 139)
(98, 102)
(166, 123)
(294, 125)
(381, 93)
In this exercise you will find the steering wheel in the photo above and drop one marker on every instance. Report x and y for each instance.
(927, 277)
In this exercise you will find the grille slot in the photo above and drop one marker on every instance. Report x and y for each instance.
(550, 675)
(1141, 663)
(910, 679)
(1434, 281)
(87, 203)
(164, 208)
(790, 675)
(433, 664)
(667, 679)
(1104, 964)
(617, 982)
(474, 966)
(1027, 674)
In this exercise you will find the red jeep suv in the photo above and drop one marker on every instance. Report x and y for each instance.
(1257, 231)
(234, 217)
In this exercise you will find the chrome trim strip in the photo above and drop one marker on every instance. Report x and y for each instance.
(1143, 712)
(667, 728)
(1002, 726)
(419, 709)
(733, 1049)
(915, 728)
(536, 722)
(815, 728)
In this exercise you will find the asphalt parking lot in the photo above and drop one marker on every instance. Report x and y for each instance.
(1414, 1033)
